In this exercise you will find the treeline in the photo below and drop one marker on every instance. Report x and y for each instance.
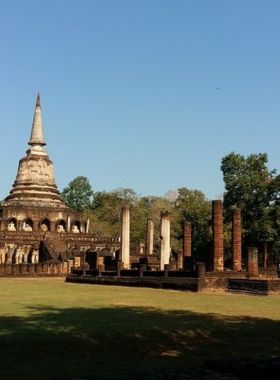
(104, 211)
(249, 185)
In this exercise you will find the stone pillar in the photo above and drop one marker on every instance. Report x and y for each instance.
(85, 268)
(10, 253)
(149, 237)
(180, 260)
(125, 238)
(101, 268)
(35, 254)
(269, 262)
(2, 254)
(68, 224)
(218, 236)
(142, 267)
(200, 270)
(164, 239)
(236, 243)
(87, 226)
(265, 254)
(119, 268)
(252, 265)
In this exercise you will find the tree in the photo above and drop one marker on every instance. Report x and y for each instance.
(250, 186)
(105, 211)
(150, 207)
(78, 195)
(192, 206)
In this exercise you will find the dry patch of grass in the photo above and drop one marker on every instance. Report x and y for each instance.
(51, 329)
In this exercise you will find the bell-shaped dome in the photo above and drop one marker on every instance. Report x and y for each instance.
(35, 181)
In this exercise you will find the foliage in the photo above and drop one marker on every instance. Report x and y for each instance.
(192, 206)
(253, 188)
(78, 194)
(105, 211)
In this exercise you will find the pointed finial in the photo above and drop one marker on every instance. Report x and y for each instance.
(37, 136)
(38, 102)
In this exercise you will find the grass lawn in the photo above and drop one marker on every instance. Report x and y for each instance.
(51, 329)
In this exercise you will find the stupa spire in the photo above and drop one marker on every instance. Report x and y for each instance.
(35, 182)
(37, 136)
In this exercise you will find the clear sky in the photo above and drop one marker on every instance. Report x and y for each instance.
(142, 94)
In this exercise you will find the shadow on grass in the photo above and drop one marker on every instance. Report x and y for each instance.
(56, 343)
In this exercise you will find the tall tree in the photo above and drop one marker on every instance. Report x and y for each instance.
(192, 206)
(78, 194)
(249, 186)
(105, 210)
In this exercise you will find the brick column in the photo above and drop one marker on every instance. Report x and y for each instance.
(125, 237)
(164, 239)
(149, 237)
(252, 265)
(218, 236)
(236, 243)
(187, 244)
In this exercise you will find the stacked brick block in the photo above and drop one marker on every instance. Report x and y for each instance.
(236, 240)
(218, 236)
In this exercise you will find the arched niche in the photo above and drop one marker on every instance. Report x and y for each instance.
(76, 227)
(12, 224)
(44, 225)
(27, 225)
(61, 226)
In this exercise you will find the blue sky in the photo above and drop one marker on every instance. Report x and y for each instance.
(146, 94)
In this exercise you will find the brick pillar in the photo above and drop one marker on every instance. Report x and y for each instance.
(149, 237)
(119, 268)
(236, 243)
(142, 267)
(218, 236)
(125, 237)
(187, 244)
(252, 265)
(164, 239)
(180, 260)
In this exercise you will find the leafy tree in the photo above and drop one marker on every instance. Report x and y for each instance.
(250, 186)
(78, 195)
(105, 211)
(192, 206)
(150, 207)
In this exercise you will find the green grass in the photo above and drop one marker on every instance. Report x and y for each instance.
(50, 329)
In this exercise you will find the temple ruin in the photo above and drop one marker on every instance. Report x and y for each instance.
(40, 235)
